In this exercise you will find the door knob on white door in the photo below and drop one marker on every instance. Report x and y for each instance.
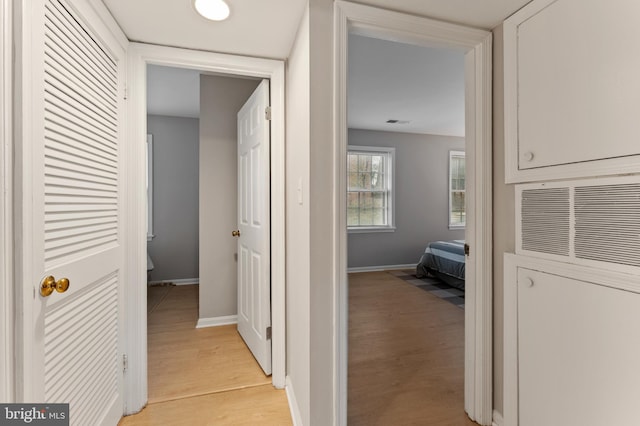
(235, 233)
(49, 283)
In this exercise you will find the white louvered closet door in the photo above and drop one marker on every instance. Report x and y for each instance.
(73, 124)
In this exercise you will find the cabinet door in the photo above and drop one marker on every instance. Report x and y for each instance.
(572, 92)
(571, 345)
(578, 351)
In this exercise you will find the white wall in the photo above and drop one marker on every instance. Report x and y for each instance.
(297, 223)
(504, 239)
(220, 100)
(421, 198)
(174, 249)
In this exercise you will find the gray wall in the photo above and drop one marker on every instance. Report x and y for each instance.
(174, 249)
(421, 198)
(220, 100)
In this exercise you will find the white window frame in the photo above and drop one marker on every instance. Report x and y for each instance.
(453, 154)
(390, 152)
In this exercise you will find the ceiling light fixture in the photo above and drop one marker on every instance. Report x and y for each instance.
(215, 10)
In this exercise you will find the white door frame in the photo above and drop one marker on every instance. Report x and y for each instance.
(6, 205)
(379, 23)
(135, 269)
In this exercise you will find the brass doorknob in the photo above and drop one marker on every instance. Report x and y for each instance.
(49, 284)
(235, 233)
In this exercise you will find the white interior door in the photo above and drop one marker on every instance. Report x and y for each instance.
(72, 96)
(254, 242)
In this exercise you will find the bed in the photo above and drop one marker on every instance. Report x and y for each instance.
(445, 260)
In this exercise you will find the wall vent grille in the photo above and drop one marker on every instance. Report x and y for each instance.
(546, 221)
(607, 223)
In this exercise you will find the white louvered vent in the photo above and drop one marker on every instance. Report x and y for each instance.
(81, 335)
(607, 223)
(81, 131)
(545, 220)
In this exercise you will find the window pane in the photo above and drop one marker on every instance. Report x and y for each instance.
(352, 162)
(457, 201)
(364, 163)
(379, 217)
(365, 180)
(366, 200)
(366, 217)
(352, 216)
(379, 199)
(352, 200)
(353, 180)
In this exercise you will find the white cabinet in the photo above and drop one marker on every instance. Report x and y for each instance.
(572, 89)
(571, 345)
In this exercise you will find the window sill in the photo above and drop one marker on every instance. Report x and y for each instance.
(456, 227)
(365, 230)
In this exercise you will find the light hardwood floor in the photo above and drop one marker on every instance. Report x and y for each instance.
(406, 355)
(202, 376)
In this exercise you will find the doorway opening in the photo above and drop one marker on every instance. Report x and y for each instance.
(191, 253)
(406, 118)
(215, 66)
(476, 46)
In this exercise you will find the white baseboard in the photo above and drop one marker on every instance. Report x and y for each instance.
(380, 268)
(217, 321)
(296, 417)
(182, 281)
(497, 419)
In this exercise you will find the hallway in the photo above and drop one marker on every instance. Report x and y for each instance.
(202, 376)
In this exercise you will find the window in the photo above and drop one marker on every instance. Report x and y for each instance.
(457, 215)
(369, 192)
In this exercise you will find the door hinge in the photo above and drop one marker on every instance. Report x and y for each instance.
(466, 249)
(269, 333)
(125, 363)
(267, 113)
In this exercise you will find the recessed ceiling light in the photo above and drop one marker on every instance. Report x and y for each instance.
(215, 10)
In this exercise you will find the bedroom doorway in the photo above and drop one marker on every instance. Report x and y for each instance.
(405, 168)
(475, 45)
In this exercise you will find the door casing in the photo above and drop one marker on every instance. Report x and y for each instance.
(6, 204)
(136, 214)
(477, 44)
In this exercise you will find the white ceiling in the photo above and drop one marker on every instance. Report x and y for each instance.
(173, 91)
(266, 28)
(421, 85)
(387, 80)
(261, 28)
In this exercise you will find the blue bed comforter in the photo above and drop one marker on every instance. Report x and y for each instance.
(444, 259)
